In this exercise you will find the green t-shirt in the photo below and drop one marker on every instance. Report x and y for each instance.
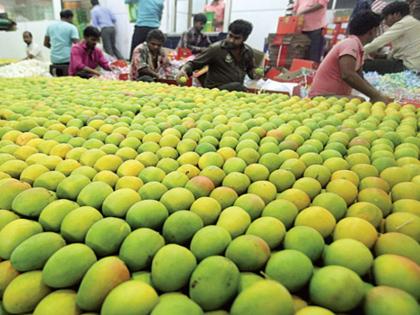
(61, 35)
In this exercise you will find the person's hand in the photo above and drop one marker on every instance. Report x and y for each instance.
(182, 77)
(381, 98)
(258, 73)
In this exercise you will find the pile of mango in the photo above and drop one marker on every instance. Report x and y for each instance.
(126, 198)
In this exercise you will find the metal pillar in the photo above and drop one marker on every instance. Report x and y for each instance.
(228, 15)
(189, 13)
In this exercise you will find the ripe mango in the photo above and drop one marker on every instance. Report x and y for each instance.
(130, 298)
(77, 223)
(118, 202)
(24, 293)
(209, 241)
(13, 167)
(67, 266)
(176, 304)
(32, 201)
(6, 217)
(172, 267)
(70, 187)
(33, 253)
(99, 281)
(53, 214)
(398, 244)
(10, 188)
(235, 220)
(384, 300)
(147, 213)
(15, 233)
(143, 276)
(214, 282)
(139, 248)
(7, 274)
(262, 298)
(94, 194)
(398, 272)
(248, 252)
(49, 180)
(61, 302)
(248, 279)
(336, 288)
(32, 172)
(106, 235)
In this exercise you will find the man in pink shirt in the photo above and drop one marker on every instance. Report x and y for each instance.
(341, 70)
(315, 19)
(218, 7)
(85, 57)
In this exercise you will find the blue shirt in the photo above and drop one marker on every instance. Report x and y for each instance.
(102, 17)
(149, 12)
(61, 35)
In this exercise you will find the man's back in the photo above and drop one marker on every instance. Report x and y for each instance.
(328, 80)
(149, 13)
(407, 46)
(61, 35)
(102, 17)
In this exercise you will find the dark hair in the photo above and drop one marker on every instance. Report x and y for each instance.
(27, 32)
(396, 7)
(66, 14)
(363, 22)
(91, 31)
(241, 27)
(200, 17)
(156, 35)
(94, 2)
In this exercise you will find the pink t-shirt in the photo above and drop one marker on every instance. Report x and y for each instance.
(314, 20)
(219, 13)
(328, 79)
(80, 57)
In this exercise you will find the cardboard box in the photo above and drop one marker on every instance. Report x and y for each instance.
(290, 24)
(291, 47)
(298, 64)
(183, 53)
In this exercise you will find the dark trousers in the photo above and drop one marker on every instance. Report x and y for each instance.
(233, 86)
(59, 69)
(84, 74)
(316, 48)
(146, 78)
(139, 36)
(383, 66)
(108, 41)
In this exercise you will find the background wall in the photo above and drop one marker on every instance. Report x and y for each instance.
(263, 14)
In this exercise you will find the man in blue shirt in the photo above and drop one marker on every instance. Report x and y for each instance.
(104, 20)
(149, 14)
(59, 38)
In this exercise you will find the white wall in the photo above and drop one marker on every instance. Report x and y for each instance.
(263, 14)
(12, 45)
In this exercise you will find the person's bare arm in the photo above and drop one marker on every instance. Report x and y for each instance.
(347, 65)
(312, 8)
(91, 71)
(148, 71)
(47, 42)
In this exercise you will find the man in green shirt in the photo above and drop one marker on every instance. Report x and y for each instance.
(228, 61)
